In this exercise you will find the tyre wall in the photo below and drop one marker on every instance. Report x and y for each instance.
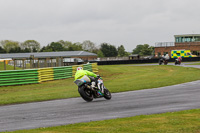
(32, 76)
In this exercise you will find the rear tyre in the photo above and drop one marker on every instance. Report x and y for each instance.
(107, 94)
(85, 93)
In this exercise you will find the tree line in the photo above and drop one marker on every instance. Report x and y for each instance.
(104, 50)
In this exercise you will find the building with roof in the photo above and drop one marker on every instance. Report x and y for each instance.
(46, 59)
(187, 41)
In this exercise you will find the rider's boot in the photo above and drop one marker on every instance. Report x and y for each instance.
(100, 87)
(93, 85)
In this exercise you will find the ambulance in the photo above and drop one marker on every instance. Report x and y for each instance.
(182, 53)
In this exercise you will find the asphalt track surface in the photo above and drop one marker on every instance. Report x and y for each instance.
(74, 110)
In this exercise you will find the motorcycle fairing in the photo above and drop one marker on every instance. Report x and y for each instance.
(80, 82)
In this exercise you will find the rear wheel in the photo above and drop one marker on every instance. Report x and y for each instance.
(85, 93)
(107, 94)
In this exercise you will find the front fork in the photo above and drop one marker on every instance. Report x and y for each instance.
(101, 87)
(97, 91)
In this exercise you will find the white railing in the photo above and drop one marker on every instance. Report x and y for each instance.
(113, 58)
(164, 44)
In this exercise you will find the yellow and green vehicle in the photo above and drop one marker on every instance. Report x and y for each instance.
(182, 53)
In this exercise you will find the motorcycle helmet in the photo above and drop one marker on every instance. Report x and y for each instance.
(79, 68)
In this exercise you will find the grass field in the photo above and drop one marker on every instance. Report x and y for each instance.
(175, 122)
(196, 63)
(117, 78)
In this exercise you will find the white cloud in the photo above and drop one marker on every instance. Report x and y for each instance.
(127, 22)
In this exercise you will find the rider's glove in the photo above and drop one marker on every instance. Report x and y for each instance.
(98, 77)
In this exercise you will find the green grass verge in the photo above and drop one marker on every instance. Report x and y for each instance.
(117, 78)
(176, 122)
(127, 78)
(196, 63)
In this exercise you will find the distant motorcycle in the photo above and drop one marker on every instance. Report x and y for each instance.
(88, 93)
(177, 61)
(163, 61)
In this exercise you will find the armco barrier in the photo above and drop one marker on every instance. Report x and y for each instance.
(30, 76)
(95, 68)
(17, 77)
(45, 74)
(62, 72)
(87, 67)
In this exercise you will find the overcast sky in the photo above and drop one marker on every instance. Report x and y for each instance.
(117, 22)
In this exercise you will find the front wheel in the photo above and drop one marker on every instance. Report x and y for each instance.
(107, 94)
(175, 62)
(85, 93)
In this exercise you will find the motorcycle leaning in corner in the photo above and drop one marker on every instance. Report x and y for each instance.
(162, 61)
(178, 61)
(88, 93)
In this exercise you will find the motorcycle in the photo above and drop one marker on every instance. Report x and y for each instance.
(88, 93)
(177, 62)
(164, 61)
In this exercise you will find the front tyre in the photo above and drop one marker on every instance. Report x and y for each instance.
(85, 93)
(107, 94)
